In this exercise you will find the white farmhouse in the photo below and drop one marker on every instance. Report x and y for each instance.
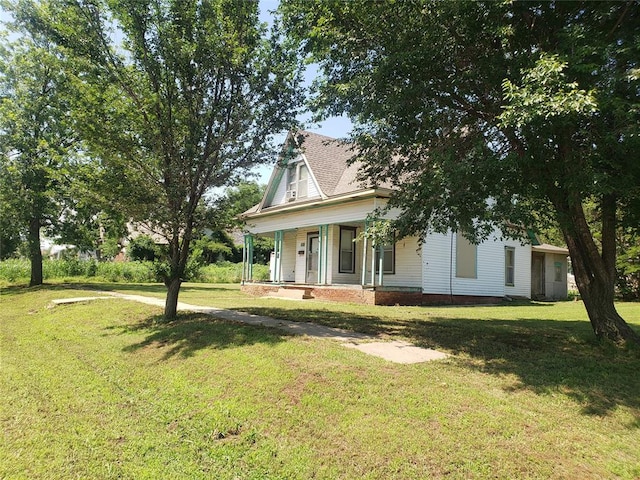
(315, 211)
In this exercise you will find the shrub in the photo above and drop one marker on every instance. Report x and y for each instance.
(142, 248)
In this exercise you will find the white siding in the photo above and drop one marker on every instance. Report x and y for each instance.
(355, 211)
(281, 190)
(289, 257)
(436, 264)
(439, 277)
(408, 266)
(279, 197)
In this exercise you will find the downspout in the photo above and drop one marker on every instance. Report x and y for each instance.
(364, 256)
(451, 269)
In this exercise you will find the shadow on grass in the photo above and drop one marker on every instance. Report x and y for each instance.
(191, 332)
(547, 356)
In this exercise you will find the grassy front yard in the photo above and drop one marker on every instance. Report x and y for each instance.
(104, 390)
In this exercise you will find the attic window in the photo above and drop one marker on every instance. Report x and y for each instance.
(298, 181)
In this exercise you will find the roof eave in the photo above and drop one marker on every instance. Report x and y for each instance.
(355, 195)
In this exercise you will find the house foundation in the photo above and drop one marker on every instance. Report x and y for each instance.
(379, 295)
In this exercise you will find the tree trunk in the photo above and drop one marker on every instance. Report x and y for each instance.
(605, 320)
(178, 256)
(35, 253)
(595, 271)
(171, 303)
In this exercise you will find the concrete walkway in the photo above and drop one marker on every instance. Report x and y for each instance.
(393, 351)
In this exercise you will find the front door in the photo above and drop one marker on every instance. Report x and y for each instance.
(537, 276)
(313, 242)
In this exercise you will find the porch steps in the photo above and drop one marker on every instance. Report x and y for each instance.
(293, 293)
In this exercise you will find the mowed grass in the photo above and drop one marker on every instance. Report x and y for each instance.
(105, 389)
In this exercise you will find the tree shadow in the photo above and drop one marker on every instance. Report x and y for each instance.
(192, 332)
(546, 356)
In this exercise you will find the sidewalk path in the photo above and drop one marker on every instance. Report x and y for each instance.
(395, 351)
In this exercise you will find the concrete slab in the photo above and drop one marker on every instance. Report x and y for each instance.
(65, 301)
(398, 352)
(394, 351)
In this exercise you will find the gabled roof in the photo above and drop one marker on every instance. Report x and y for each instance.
(327, 159)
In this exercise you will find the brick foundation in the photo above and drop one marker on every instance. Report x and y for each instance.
(349, 294)
(439, 299)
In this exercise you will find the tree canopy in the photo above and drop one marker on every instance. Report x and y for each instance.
(491, 114)
(179, 96)
(37, 140)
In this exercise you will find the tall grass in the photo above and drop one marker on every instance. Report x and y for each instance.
(18, 270)
(228, 272)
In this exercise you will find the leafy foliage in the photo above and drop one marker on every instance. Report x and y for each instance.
(143, 248)
(36, 140)
(187, 101)
(490, 115)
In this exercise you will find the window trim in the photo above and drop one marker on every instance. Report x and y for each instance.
(353, 250)
(508, 267)
(293, 178)
(387, 247)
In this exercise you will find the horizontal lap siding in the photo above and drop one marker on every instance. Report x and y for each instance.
(289, 257)
(312, 217)
(408, 265)
(439, 267)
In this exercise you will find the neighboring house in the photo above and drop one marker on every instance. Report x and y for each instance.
(315, 210)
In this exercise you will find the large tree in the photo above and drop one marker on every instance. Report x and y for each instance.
(182, 96)
(36, 140)
(491, 114)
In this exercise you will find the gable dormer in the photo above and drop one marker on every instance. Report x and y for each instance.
(292, 179)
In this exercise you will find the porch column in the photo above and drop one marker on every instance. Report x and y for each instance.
(323, 253)
(363, 275)
(373, 263)
(247, 258)
(381, 265)
(277, 262)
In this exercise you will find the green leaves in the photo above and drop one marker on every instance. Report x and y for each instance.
(543, 94)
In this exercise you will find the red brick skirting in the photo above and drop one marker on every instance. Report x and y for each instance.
(439, 299)
(370, 296)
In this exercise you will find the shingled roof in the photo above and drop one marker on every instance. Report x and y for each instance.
(327, 158)
(328, 161)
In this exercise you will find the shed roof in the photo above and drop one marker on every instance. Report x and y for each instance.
(546, 248)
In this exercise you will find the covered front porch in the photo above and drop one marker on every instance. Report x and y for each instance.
(329, 262)
(323, 255)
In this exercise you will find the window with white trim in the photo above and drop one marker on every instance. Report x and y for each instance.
(297, 181)
(347, 260)
(389, 260)
(509, 266)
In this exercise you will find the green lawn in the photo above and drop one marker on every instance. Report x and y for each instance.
(107, 390)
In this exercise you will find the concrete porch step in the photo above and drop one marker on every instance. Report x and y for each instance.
(294, 293)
